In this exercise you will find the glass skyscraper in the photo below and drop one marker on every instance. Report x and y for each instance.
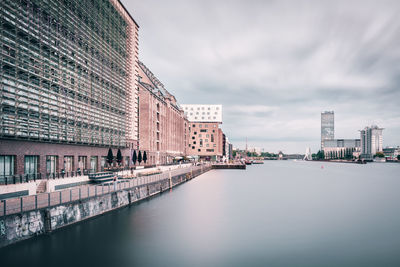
(327, 126)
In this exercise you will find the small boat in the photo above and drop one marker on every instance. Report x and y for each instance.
(258, 162)
(100, 177)
(248, 162)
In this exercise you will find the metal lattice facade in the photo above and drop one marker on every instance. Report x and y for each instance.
(68, 72)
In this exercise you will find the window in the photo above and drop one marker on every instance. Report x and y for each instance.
(51, 164)
(210, 150)
(207, 135)
(200, 125)
(31, 164)
(194, 142)
(192, 147)
(82, 162)
(93, 164)
(212, 138)
(195, 133)
(193, 137)
(194, 125)
(207, 145)
(7, 165)
(199, 150)
(103, 161)
(203, 130)
(199, 135)
(69, 163)
(201, 142)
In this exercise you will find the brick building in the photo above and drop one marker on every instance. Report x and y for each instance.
(206, 140)
(68, 85)
(163, 126)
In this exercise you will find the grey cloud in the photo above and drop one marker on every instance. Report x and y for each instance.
(297, 58)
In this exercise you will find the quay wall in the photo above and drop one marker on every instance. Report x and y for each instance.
(25, 225)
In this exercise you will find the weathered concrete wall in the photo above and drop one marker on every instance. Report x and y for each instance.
(17, 227)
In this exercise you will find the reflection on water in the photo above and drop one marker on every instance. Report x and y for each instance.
(282, 213)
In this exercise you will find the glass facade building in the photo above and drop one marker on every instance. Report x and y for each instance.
(371, 141)
(66, 72)
(327, 126)
(69, 77)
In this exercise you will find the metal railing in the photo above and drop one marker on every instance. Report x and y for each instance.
(35, 202)
(26, 178)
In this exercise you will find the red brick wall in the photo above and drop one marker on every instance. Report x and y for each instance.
(20, 149)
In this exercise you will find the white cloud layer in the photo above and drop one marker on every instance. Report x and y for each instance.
(275, 65)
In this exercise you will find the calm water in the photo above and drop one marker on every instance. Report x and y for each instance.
(282, 213)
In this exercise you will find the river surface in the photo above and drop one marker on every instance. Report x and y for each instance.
(282, 213)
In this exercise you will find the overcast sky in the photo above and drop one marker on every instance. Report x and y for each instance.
(275, 65)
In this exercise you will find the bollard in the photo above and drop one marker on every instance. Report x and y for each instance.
(79, 193)
(5, 207)
(35, 202)
(60, 197)
(22, 203)
(48, 198)
(70, 195)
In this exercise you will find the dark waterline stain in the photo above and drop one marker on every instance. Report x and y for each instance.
(282, 213)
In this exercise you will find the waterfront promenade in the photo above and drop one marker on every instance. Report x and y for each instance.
(44, 200)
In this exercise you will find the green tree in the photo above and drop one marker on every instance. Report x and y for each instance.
(144, 156)
(119, 157)
(110, 156)
(139, 159)
(398, 157)
(134, 157)
(379, 155)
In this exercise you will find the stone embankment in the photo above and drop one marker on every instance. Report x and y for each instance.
(36, 221)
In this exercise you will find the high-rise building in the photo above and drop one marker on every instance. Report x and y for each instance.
(68, 84)
(163, 128)
(371, 141)
(327, 126)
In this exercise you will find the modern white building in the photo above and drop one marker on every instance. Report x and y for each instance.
(371, 141)
(203, 113)
(341, 148)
